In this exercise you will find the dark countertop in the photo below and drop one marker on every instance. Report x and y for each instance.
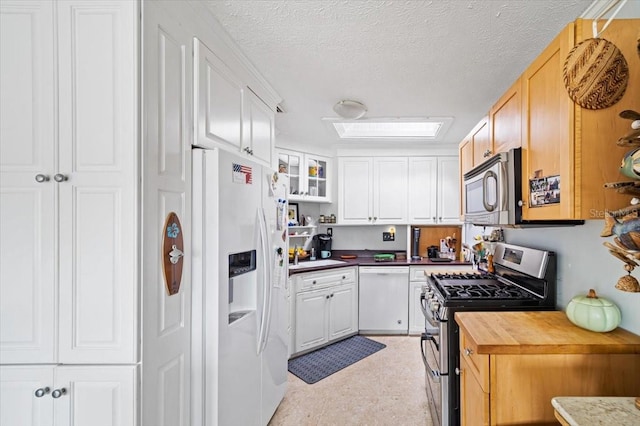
(365, 258)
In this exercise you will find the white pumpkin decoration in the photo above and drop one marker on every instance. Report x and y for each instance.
(593, 313)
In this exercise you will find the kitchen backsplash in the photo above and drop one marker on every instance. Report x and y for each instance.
(583, 263)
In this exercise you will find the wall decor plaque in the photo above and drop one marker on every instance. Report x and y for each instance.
(172, 253)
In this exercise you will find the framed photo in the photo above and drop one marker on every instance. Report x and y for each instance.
(544, 191)
(292, 216)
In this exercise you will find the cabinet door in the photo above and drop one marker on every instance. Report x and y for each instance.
(218, 97)
(416, 317)
(474, 402)
(423, 177)
(97, 189)
(290, 162)
(27, 207)
(312, 319)
(355, 177)
(547, 141)
(19, 404)
(465, 152)
(97, 396)
(343, 311)
(448, 190)
(481, 139)
(259, 130)
(317, 172)
(506, 116)
(390, 186)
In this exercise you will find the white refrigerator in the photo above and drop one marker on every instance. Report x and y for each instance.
(240, 266)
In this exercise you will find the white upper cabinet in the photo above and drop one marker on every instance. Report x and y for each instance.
(448, 190)
(434, 191)
(308, 176)
(218, 98)
(372, 190)
(258, 138)
(227, 113)
(68, 208)
(423, 176)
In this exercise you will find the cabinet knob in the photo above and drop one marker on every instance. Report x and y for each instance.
(487, 153)
(42, 392)
(468, 351)
(58, 393)
(314, 281)
(520, 203)
(369, 217)
(375, 218)
(458, 371)
(434, 218)
(440, 219)
(42, 178)
(331, 294)
(248, 151)
(327, 296)
(59, 177)
(344, 277)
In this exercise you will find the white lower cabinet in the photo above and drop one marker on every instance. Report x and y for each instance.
(326, 307)
(68, 395)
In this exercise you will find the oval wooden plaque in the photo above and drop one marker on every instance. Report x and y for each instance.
(172, 253)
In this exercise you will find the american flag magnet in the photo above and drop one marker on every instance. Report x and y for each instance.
(242, 174)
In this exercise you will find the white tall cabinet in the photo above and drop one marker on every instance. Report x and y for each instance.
(68, 209)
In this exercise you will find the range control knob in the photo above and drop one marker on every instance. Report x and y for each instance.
(434, 306)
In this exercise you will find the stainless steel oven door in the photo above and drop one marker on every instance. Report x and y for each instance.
(430, 348)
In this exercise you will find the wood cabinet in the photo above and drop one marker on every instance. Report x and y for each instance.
(505, 120)
(325, 307)
(64, 395)
(69, 179)
(228, 114)
(372, 190)
(559, 138)
(308, 176)
(476, 147)
(513, 363)
(433, 190)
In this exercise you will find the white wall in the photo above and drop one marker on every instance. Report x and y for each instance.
(583, 263)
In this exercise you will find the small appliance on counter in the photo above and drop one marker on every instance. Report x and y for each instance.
(415, 248)
(433, 252)
(322, 243)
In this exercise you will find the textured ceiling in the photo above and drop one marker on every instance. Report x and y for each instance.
(400, 58)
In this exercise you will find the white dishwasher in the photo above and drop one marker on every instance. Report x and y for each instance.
(383, 300)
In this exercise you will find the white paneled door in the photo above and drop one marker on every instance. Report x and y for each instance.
(28, 280)
(166, 360)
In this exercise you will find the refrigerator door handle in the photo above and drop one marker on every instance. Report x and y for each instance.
(266, 283)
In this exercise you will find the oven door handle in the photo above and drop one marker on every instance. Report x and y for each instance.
(430, 319)
(435, 374)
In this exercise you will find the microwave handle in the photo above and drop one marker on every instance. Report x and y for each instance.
(489, 174)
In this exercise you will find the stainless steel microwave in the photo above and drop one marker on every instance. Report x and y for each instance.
(492, 193)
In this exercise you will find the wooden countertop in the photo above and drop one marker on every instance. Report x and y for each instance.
(596, 410)
(540, 332)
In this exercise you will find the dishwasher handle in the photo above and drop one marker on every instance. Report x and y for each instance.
(384, 270)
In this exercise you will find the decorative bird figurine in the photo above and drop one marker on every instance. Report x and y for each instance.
(630, 165)
(627, 232)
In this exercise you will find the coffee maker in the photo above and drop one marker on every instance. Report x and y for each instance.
(322, 242)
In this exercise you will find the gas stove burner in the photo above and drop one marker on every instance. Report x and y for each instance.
(482, 289)
(460, 275)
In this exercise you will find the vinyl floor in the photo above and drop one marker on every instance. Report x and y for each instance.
(386, 388)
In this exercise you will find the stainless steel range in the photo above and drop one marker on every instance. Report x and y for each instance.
(524, 279)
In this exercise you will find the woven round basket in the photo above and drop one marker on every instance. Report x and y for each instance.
(595, 74)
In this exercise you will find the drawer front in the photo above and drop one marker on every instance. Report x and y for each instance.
(323, 279)
(477, 363)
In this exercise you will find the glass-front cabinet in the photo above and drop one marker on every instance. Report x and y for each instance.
(308, 176)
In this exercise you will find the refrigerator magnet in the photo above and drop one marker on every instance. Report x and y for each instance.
(172, 253)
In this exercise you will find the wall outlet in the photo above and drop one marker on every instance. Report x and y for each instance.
(388, 236)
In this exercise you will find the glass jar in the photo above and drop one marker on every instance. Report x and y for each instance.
(333, 218)
(321, 219)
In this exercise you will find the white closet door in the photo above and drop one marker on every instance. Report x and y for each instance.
(27, 207)
(98, 209)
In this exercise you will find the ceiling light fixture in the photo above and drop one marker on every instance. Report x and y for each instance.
(351, 110)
